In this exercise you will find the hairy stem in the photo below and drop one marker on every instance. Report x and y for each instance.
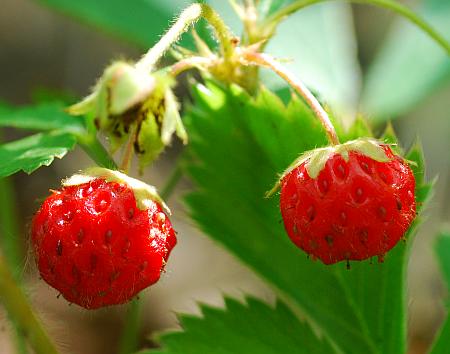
(189, 63)
(188, 17)
(96, 151)
(129, 150)
(261, 59)
(17, 306)
(130, 335)
(398, 8)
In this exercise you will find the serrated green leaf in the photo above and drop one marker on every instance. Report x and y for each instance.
(253, 327)
(138, 21)
(409, 66)
(442, 249)
(416, 154)
(30, 153)
(43, 116)
(358, 129)
(239, 145)
(389, 136)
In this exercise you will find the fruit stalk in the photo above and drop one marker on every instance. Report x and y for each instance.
(267, 61)
(16, 303)
(132, 323)
(129, 149)
(189, 63)
(96, 151)
(189, 16)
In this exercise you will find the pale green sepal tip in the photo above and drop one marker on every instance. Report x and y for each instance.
(121, 87)
(86, 105)
(143, 192)
(127, 86)
(171, 117)
(317, 158)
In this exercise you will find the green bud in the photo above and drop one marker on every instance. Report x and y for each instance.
(127, 97)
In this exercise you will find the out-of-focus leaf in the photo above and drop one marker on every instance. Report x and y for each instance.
(239, 144)
(442, 342)
(320, 43)
(269, 7)
(43, 116)
(139, 21)
(409, 67)
(30, 153)
(251, 328)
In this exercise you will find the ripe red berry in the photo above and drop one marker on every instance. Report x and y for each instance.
(342, 203)
(102, 241)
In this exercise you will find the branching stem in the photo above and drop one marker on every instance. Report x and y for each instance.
(189, 16)
(190, 63)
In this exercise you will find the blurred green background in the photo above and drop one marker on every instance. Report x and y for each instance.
(356, 58)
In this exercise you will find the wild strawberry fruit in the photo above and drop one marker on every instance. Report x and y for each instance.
(102, 238)
(348, 202)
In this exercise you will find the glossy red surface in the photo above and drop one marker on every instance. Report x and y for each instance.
(353, 210)
(96, 247)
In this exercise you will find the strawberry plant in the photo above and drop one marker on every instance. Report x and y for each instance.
(346, 195)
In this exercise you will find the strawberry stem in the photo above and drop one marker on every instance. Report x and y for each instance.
(18, 307)
(189, 63)
(189, 16)
(265, 60)
(129, 150)
(96, 151)
(129, 339)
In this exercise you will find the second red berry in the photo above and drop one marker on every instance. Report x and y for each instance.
(354, 209)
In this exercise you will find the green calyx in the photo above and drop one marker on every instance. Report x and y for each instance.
(121, 87)
(128, 101)
(316, 159)
(144, 193)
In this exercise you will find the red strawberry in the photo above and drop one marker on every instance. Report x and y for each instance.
(348, 202)
(102, 238)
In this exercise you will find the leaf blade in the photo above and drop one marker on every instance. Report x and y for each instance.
(239, 144)
(253, 327)
(409, 66)
(139, 21)
(32, 152)
(43, 116)
(258, 216)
